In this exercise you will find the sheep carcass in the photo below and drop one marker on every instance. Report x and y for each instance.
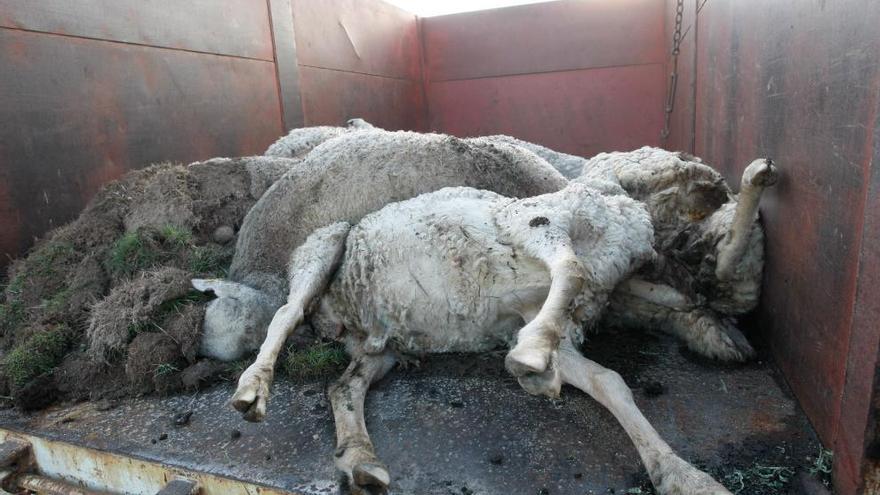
(699, 223)
(344, 179)
(463, 270)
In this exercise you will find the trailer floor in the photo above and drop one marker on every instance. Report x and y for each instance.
(461, 425)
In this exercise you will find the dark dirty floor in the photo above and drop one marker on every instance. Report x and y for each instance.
(461, 425)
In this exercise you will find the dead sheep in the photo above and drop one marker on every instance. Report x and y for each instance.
(300, 141)
(464, 270)
(692, 208)
(710, 247)
(323, 189)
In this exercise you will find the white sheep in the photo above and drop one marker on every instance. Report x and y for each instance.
(300, 141)
(692, 209)
(344, 179)
(462, 270)
(710, 245)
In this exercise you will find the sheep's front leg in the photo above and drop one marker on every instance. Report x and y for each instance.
(355, 457)
(253, 385)
(539, 339)
(670, 474)
(310, 268)
(757, 176)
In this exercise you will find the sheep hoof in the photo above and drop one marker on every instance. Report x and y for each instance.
(674, 476)
(525, 360)
(370, 478)
(252, 393)
(548, 383)
(725, 342)
(761, 173)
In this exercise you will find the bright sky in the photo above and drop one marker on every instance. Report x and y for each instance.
(428, 8)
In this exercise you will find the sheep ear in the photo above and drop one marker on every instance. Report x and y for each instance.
(219, 287)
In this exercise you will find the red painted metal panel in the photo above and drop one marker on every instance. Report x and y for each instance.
(544, 37)
(858, 437)
(799, 81)
(366, 36)
(231, 27)
(331, 97)
(77, 113)
(581, 112)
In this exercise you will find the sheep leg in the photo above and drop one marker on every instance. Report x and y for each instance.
(670, 474)
(704, 331)
(709, 335)
(539, 339)
(659, 294)
(757, 176)
(311, 266)
(355, 456)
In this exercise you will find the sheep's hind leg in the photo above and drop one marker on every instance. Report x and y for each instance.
(670, 474)
(311, 266)
(709, 335)
(355, 457)
(643, 304)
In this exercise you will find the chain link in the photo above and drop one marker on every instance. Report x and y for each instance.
(673, 76)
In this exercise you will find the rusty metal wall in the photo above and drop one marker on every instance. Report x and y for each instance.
(799, 81)
(93, 88)
(580, 76)
(359, 58)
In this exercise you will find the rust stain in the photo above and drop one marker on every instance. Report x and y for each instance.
(87, 471)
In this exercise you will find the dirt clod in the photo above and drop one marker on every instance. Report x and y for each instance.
(152, 359)
(201, 374)
(120, 270)
(223, 235)
(182, 419)
(654, 389)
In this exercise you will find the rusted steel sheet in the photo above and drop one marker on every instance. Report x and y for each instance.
(231, 27)
(10, 219)
(799, 81)
(107, 472)
(366, 36)
(77, 113)
(581, 112)
(286, 65)
(544, 37)
(32, 483)
(681, 121)
(331, 97)
(858, 433)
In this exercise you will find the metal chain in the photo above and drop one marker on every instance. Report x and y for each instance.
(673, 77)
